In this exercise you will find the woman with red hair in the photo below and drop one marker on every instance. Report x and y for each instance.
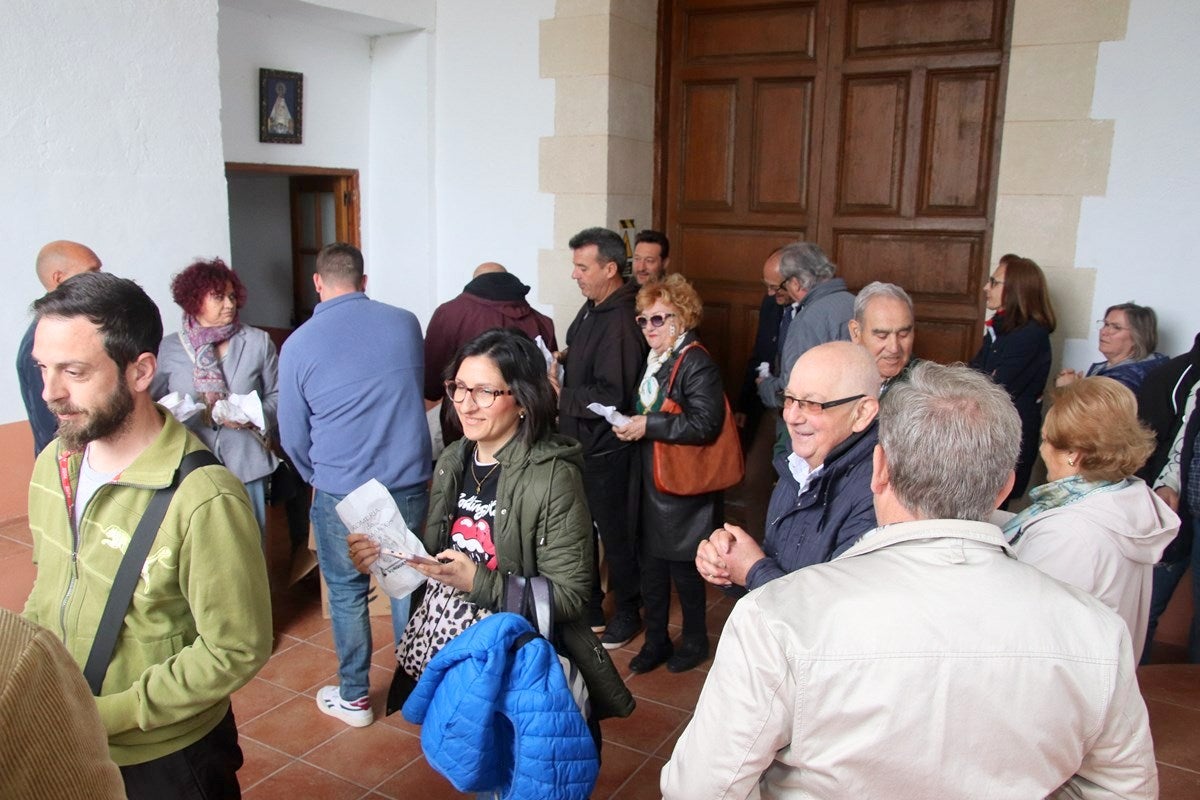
(214, 356)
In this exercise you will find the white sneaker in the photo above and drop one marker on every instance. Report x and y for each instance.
(355, 713)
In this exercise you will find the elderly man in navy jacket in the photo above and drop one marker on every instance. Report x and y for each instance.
(822, 502)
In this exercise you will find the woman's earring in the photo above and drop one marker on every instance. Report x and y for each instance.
(1071, 461)
(522, 415)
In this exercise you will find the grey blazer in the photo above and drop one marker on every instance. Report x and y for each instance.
(251, 363)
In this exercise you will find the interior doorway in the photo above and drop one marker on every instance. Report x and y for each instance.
(280, 216)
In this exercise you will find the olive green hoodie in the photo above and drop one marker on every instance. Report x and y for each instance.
(199, 624)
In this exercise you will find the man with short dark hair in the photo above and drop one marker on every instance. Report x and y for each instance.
(651, 256)
(56, 262)
(883, 323)
(199, 624)
(889, 671)
(604, 361)
(350, 409)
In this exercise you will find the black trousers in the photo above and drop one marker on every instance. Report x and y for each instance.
(606, 482)
(657, 576)
(204, 770)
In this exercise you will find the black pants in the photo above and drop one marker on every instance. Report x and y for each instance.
(606, 482)
(657, 576)
(204, 770)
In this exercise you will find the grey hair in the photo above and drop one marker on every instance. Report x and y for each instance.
(878, 289)
(1143, 327)
(807, 263)
(950, 436)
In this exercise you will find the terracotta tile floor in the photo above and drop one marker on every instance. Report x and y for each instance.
(293, 751)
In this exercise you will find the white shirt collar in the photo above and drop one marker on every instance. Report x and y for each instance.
(801, 471)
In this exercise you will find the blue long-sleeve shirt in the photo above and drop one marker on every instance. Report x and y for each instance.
(350, 400)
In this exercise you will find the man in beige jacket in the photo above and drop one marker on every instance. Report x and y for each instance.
(925, 661)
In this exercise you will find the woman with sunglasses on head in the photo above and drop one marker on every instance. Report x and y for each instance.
(1128, 336)
(672, 526)
(1016, 349)
(507, 498)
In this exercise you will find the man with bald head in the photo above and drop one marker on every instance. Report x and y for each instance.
(822, 502)
(56, 262)
(494, 298)
(883, 324)
(766, 345)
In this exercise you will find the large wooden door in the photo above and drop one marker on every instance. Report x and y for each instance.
(867, 126)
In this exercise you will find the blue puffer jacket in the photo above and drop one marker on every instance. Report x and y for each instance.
(499, 719)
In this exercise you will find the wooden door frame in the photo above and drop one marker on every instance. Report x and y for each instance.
(352, 203)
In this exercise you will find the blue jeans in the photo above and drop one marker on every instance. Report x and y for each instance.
(1167, 575)
(348, 587)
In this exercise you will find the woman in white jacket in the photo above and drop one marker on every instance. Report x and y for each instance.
(1093, 525)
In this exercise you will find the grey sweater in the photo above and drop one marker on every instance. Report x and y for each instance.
(823, 317)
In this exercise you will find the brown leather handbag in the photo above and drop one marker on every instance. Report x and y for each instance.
(691, 469)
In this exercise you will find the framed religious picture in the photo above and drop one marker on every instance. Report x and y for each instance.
(280, 106)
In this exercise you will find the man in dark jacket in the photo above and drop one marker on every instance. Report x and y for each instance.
(603, 363)
(493, 299)
(766, 347)
(56, 262)
(823, 500)
(1167, 403)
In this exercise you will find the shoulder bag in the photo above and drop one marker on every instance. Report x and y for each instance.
(691, 469)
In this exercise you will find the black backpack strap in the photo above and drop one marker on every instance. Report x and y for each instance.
(125, 581)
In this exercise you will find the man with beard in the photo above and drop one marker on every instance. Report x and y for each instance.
(199, 624)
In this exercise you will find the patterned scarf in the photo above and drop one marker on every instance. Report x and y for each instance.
(201, 345)
(648, 389)
(1056, 494)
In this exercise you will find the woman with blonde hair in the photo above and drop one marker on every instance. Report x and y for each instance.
(1093, 525)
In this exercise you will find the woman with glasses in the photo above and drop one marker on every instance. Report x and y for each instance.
(1093, 525)
(672, 526)
(1128, 336)
(507, 498)
(215, 355)
(1016, 348)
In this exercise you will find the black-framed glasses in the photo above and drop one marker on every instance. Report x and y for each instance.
(814, 407)
(655, 321)
(992, 282)
(484, 396)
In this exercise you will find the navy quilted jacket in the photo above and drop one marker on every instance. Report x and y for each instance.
(499, 719)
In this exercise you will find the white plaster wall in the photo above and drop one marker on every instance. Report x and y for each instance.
(337, 71)
(109, 135)
(1141, 236)
(400, 200)
(260, 233)
(491, 109)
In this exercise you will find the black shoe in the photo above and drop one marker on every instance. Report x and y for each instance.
(689, 656)
(595, 618)
(621, 630)
(650, 657)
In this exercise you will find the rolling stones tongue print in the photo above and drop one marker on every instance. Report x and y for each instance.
(472, 529)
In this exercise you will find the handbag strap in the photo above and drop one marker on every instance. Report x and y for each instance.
(130, 569)
(678, 361)
(533, 599)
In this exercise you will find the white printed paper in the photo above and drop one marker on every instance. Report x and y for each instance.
(764, 370)
(181, 406)
(370, 509)
(610, 414)
(550, 361)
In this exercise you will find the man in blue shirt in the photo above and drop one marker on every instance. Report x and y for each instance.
(350, 409)
(56, 262)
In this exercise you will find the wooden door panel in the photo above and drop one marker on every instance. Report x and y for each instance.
(871, 144)
(925, 263)
(942, 340)
(749, 33)
(781, 145)
(893, 27)
(956, 159)
(707, 146)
